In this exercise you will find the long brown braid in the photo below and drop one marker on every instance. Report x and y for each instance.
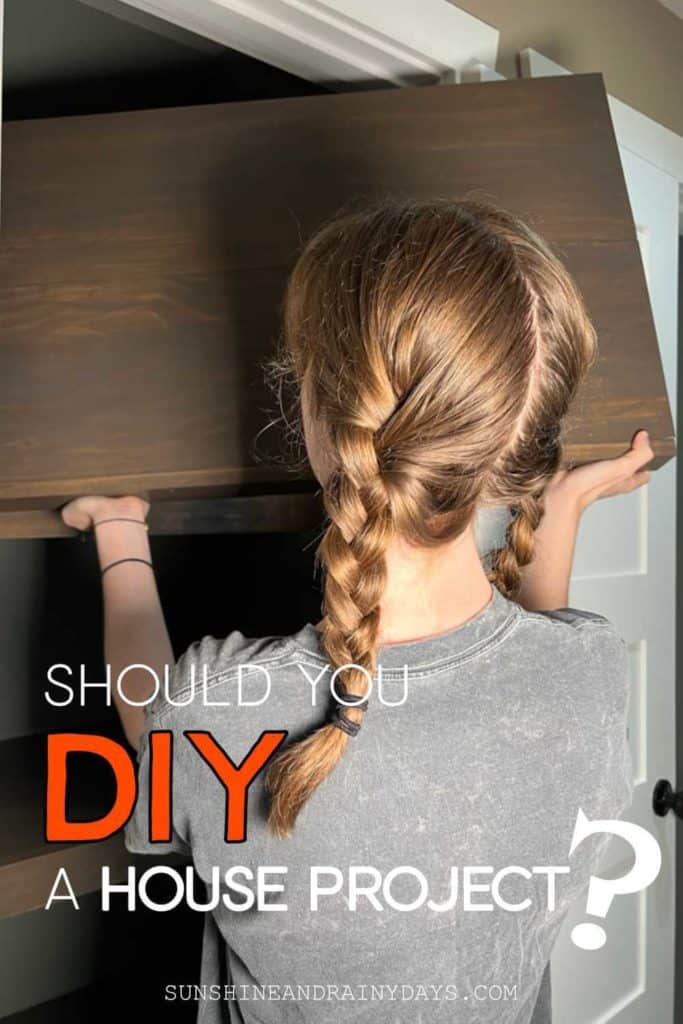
(440, 345)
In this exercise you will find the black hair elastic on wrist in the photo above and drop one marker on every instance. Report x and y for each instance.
(339, 717)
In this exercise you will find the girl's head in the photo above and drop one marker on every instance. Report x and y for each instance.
(436, 347)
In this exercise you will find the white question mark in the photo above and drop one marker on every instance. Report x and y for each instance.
(601, 891)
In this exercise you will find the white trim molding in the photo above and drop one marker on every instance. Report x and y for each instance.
(475, 71)
(341, 43)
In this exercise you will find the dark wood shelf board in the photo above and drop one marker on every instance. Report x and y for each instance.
(263, 513)
(25, 884)
(139, 306)
(28, 864)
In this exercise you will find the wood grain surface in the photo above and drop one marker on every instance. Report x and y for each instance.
(143, 257)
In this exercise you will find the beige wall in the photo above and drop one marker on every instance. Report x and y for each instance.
(636, 44)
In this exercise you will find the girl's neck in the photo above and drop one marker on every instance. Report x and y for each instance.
(432, 590)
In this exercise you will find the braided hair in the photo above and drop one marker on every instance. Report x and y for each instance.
(439, 345)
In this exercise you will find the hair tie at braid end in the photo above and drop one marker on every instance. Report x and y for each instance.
(339, 718)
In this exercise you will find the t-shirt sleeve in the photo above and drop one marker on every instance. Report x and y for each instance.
(610, 663)
(577, 616)
(601, 659)
(136, 832)
(203, 659)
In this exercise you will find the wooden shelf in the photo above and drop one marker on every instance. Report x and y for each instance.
(144, 256)
(258, 513)
(28, 864)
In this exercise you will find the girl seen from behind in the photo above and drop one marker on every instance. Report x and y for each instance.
(435, 349)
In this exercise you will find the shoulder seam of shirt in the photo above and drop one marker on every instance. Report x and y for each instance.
(221, 676)
(582, 622)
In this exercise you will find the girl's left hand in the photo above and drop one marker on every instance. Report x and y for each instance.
(582, 486)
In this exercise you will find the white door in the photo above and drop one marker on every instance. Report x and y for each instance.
(625, 569)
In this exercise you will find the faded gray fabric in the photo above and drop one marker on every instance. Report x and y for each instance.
(513, 722)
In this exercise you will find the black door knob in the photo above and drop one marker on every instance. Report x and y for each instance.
(665, 799)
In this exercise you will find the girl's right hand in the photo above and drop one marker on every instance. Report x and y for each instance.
(82, 513)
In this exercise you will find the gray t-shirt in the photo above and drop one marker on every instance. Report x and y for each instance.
(511, 723)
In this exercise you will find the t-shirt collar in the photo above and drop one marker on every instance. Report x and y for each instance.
(467, 638)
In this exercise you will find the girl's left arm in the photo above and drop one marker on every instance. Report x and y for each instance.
(135, 631)
(545, 581)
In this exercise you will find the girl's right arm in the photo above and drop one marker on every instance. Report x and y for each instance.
(136, 641)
